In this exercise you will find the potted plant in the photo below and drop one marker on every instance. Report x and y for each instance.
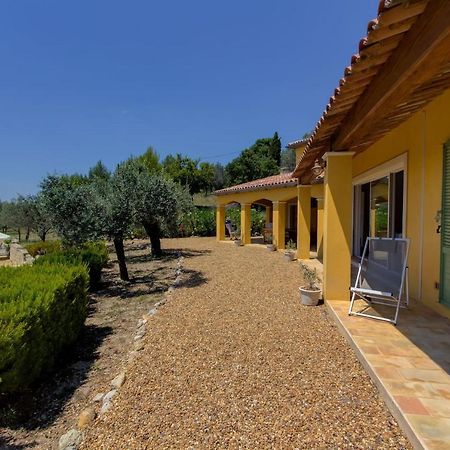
(270, 244)
(310, 292)
(289, 253)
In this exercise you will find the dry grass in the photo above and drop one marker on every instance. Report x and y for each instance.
(234, 361)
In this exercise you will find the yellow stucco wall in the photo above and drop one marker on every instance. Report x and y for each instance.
(422, 138)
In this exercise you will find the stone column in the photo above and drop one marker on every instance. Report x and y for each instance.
(337, 225)
(220, 222)
(320, 203)
(303, 221)
(279, 224)
(246, 223)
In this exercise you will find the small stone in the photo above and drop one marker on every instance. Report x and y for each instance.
(141, 322)
(138, 345)
(105, 407)
(118, 380)
(98, 397)
(82, 393)
(107, 401)
(71, 439)
(110, 395)
(139, 335)
(152, 312)
(86, 417)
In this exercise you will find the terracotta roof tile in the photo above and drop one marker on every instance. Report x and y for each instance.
(384, 35)
(297, 143)
(283, 179)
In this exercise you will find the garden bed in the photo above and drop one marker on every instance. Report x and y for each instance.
(38, 418)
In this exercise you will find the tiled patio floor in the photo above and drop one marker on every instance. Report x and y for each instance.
(410, 364)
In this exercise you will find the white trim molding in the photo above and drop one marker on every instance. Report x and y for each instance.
(393, 165)
(327, 154)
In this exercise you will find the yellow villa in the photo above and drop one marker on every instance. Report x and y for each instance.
(377, 163)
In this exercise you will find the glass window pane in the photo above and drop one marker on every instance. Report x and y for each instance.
(379, 207)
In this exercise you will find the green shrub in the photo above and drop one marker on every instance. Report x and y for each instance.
(42, 310)
(258, 219)
(203, 222)
(234, 214)
(43, 248)
(137, 232)
(93, 254)
(200, 221)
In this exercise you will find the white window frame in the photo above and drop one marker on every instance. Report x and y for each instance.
(397, 164)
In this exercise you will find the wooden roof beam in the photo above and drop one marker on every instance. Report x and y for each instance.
(399, 76)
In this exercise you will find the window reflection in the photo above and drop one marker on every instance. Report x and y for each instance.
(379, 207)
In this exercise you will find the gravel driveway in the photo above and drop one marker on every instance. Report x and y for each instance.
(234, 361)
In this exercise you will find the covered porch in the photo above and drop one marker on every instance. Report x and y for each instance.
(292, 214)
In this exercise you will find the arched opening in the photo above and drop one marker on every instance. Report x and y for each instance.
(261, 221)
(232, 220)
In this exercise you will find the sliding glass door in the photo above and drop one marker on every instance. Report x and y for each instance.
(378, 209)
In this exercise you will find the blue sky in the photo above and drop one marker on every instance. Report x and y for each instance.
(103, 79)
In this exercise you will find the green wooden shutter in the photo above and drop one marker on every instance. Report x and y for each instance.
(445, 230)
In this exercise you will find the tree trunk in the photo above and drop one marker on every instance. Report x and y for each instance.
(42, 234)
(27, 236)
(120, 252)
(18, 231)
(153, 232)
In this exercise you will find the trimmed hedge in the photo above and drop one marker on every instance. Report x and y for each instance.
(42, 310)
(93, 254)
(43, 248)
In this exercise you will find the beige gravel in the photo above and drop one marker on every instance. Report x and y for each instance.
(234, 361)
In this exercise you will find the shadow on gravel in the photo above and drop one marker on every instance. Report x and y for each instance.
(192, 278)
(167, 255)
(5, 444)
(40, 406)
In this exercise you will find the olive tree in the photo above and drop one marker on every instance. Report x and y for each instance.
(35, 216)
(158, 203)
(73, 209)
(13, 216)
(118, 201)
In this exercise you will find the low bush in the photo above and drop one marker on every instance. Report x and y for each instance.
(200, 221)
(42, 310)
(43, 248)
(204, 222)
(258, 219)
(93, 254)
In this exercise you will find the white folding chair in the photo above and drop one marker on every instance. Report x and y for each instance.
(382, 276)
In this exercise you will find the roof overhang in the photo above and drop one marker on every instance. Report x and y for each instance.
(274, 182)
(402, 64)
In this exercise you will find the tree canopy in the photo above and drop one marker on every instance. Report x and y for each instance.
(260, 160)
(190, 173)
